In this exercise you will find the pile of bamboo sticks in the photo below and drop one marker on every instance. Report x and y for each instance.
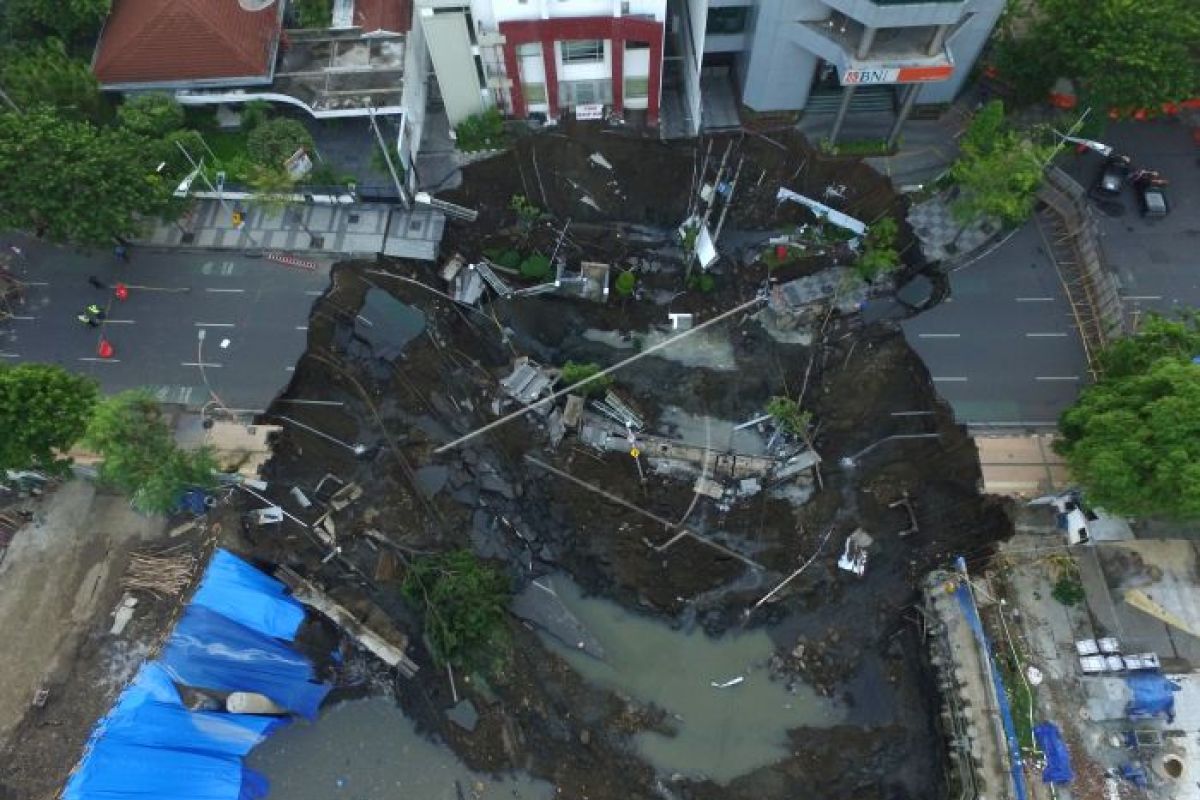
(161, 574)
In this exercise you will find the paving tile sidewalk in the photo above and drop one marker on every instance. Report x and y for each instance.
(943, 238)
(353, 230)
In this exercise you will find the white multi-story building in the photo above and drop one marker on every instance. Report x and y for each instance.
(696, 61)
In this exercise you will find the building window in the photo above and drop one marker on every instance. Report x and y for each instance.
(583, 51)
(637, 88)
(632, 45)
(577, 93)
(534, 92)
(624, 8)
(529, 49)
(726, 20)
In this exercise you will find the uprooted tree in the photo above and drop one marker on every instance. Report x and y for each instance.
(464, 602)
(43, 411)
(999, 170)
(131, 434)
(1132, 439)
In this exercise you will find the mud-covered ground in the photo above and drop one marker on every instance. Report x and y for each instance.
(850, 638)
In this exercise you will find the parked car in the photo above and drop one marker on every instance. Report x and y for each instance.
(1112, 176)
(1152, 200)
(1151, 192)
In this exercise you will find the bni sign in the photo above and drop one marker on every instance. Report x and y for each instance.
(886, 75)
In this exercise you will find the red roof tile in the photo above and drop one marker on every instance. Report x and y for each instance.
(393, 16)
(151, 41)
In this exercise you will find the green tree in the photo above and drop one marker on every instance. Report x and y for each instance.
(999, 170)
(464, 602)
(43, 411)
(625, 283)
(274, 141)
(1123, 53)
(140, 456)
(71, 181)
(43, 74)
(879, 253)
(1132, 439)
(152, 115)
(71, 20)
(573, 372)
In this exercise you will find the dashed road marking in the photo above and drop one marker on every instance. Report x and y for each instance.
(198, 364)
(1057, 378)
(1035, 299)
(226, 291)
(1045, 335)
(120, 322)
(949, 380)
(215, 324)
(938, 335)
(101, 360)
(301, 327)
(10, 355)
(1143, 297)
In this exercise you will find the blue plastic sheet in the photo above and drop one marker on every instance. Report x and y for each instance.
(966, 602)
(150, 746)
(1153, 694)
(209, 651)
(1058, 760)
(235, 589)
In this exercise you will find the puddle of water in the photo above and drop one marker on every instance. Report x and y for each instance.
(368, 750)
(706, 350)
(722, 733)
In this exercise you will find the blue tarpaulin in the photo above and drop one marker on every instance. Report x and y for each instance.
(150, 745)
(1153, 694)
(1058, 760)
(234, 589)
(209, 651)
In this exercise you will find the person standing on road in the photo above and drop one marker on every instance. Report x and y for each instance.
(121, 252)
(96, 282)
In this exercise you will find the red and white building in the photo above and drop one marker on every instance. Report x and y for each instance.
(546, 56)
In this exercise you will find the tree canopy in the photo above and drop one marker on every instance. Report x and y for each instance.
(999, 169)
(273, 141)
(1133, 438)
(71, 181)
(71, 20)
(43, 411)
(140, 456)
(152, 115)
(1123, 53)
(44, 74)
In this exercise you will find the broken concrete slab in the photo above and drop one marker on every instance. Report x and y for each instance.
(464, 715)
(432, 478)
(540, 605)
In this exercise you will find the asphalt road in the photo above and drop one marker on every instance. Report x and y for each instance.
(1003, 349)
(253, 313)
(1156, 261)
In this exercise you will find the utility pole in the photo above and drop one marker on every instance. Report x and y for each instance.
(387, 156)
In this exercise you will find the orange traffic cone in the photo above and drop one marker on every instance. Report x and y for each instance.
(105, 350)
(121, 291)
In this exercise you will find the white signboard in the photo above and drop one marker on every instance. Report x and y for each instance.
(589, 111)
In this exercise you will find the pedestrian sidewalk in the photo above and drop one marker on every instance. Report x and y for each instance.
(944, 238)
(351, 230)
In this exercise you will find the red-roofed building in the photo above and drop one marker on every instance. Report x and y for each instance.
(167, 44)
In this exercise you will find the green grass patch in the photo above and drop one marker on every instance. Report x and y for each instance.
(858, 147)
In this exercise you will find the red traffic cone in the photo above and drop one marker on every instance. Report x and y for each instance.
(121, 291)
(105, 349)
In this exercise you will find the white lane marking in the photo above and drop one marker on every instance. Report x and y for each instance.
(1057, 378)
(10, 355)
(949, 380)
(1143, 297)
(197, 364)
(215, 324)
(22, 319)
(301, 327)
(1045, 335)
(101, 360)
(938, 335)
(289, 369)
(119, 322)
(226, 291)
(35, 283)
(311, 402)
(314, 292)
(1035, 299)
